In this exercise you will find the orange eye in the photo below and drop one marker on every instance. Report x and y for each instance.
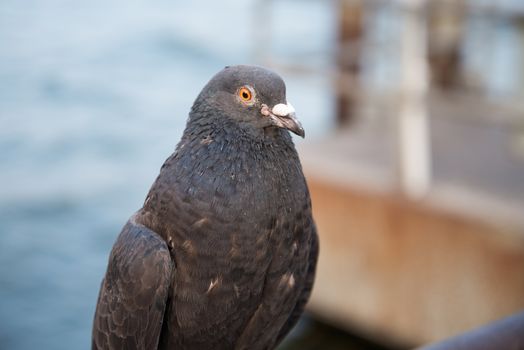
(245, 94)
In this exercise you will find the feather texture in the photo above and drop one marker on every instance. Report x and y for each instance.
(229, 222)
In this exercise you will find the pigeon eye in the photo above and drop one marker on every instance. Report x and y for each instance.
(245, 94)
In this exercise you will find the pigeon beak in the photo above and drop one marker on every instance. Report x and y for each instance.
(283, 116)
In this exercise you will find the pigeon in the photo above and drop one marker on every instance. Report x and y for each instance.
(222, 255)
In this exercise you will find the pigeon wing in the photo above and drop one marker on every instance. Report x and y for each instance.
(134, 292)
(281, 308)
(306, 291)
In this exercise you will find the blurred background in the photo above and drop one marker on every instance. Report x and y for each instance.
(414, 115)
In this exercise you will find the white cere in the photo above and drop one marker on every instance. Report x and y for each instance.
(283, 110)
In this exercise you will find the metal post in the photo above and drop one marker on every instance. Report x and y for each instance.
(350, 33)
(414, 146)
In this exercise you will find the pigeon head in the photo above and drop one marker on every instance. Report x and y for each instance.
(252, 96)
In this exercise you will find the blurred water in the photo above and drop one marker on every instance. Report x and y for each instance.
(93, 98)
